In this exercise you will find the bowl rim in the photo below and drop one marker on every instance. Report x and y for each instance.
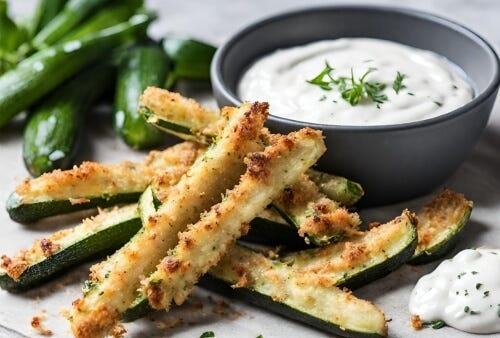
(491, 87)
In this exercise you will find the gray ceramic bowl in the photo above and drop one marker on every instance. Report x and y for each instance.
(392, 162)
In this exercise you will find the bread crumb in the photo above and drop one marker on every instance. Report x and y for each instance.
(36, 324)
(416, 323)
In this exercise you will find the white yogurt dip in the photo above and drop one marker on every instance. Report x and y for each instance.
(432, 86)
(464, 292)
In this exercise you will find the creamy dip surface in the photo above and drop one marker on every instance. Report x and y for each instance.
(464, 292)
(432, 85)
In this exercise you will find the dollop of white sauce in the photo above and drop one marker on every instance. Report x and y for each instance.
(464, 292)
(434, 86)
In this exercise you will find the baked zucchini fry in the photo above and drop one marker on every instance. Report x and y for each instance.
(95, 236)
(93, 184)
(357, 262)
(204, 243)
(115, 281)
(439, 223)
(177, 115)
(278, 287)
(319, 219)
(337, 188)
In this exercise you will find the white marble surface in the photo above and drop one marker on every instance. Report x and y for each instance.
(215, 21)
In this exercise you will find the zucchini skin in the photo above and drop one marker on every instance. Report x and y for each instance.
(24, 213)
(142, 66)
(53, 131)
(43, 71)
(94, 245)
(425, 252)
(110, 15)
(265, 302)
(45, 11)
(71, 15)
(191, 59)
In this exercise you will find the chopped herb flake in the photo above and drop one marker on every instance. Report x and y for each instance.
(461, 274)
(397, 85)
(466, 309)
(478, 286)
(411, 94)
(322, 98)
(474, 272)
(439, 104)
(207, 334)
(437, 324)
(486, 294)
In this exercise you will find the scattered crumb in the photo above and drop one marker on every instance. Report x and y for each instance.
(119, 331)
(36, 324)
(416, 323)
(65, 313)
(75, 201)
(374, 225)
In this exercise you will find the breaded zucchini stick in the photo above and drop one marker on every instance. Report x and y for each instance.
(219, 168)
(92, 184)
(205, 242)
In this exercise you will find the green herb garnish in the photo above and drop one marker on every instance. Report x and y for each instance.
(486, 294)
(478, 286)
(466, 309)
(437, 324)
(207, 334)
(397, 85)
(437, 103)
(352, 90)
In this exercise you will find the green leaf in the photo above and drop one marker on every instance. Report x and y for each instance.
(319, 80)
(207, 334)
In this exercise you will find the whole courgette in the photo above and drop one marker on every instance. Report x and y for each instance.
(141, 67)
(190, 58)
(40, 73)
(74, 12)
(110, 15)
(45, 11)
(53, 130)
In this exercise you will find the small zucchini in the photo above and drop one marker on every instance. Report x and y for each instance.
(93, 238)
(53, 130)
(191, 59)
(439, 224)
(45, 11)
(73, 12)
(141, 66)
(111, 14)
(45, 70)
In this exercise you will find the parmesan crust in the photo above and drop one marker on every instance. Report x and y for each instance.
(204, 242)
(92, 179)
(214, 172)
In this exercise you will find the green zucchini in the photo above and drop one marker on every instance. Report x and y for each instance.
(12, 36)
(386, 248)
(93, 238)
(111, 14)
(191, 59)
(96, 185)
(142, 66)
(43, 71)
(73, 12)
(337, 188)
(45, 11)
(369, 256)
(317, 218)
(280, 289)
(439, 223)
(53, 130)
(179, 116)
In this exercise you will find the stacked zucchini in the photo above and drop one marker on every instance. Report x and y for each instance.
(171, 188)
(71, 55)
